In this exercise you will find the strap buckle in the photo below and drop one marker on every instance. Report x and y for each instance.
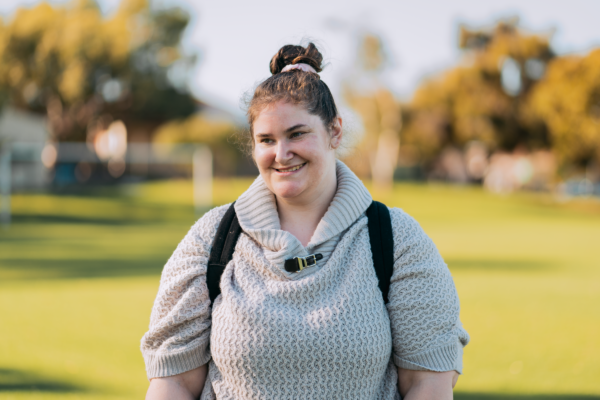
(297, 264)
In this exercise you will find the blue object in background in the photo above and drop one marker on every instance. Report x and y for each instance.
(64, 174)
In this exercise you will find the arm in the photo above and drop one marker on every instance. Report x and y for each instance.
(178, 337)
(424, 308)
(423, 385)
(186, 386)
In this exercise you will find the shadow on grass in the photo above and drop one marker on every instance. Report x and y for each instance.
(498, 396)
(499, 264)
(19, 269)
(12, 380)
(66, 219)
(110, 211)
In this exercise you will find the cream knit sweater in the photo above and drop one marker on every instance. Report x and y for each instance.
(323, 333)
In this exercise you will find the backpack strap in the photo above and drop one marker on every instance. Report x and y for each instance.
(382, 244)
(380, 236)
(228, 232)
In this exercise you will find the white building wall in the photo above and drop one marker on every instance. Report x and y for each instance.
(26, 135)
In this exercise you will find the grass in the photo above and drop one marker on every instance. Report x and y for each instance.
(78, 275)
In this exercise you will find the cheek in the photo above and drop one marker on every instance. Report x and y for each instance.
(316, 150)
(263, 157)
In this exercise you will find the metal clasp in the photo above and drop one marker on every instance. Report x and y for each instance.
(302, 263)
(297, 264)
(307, 261)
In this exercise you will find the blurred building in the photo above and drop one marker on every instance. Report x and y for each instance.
(25, 133)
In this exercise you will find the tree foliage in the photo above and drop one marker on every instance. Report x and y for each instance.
(195, 129)
(568, 100)
(218, 134)
(379, 111)
(485, 98)
(79, 66)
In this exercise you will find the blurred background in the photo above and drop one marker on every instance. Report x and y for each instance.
(122, 122)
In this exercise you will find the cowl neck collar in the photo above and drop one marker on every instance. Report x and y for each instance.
(257, 213)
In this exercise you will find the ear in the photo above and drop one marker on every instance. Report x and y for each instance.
(336, 133)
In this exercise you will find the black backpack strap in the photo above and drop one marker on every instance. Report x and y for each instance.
(382, 244)
(380, 235)
(222, 250)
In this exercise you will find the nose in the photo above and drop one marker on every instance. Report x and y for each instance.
(283, 153)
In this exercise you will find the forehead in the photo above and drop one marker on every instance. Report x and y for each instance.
(282, 115)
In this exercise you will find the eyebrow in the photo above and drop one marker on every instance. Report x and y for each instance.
(288, 130)
(293, 128)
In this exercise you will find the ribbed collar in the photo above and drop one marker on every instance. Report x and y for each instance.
(257, 213)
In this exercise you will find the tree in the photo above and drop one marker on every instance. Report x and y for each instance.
(485, 98)
(83, 69)
(568, 99)
(218, 134)
(379, 111)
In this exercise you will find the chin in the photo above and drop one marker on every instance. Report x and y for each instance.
(288, 190)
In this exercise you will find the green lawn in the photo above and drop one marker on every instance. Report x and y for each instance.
(78, 275)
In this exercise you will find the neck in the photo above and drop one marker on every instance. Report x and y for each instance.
(300, 216)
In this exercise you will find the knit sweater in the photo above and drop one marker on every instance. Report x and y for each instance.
(322, 333)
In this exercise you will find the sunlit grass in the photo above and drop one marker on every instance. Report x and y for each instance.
(78, 275)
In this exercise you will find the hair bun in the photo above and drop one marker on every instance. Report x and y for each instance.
(291, 54)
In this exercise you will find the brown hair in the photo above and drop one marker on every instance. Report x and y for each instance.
(295, 86)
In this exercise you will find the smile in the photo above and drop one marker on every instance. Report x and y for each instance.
(290, 169)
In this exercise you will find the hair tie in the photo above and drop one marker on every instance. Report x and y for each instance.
(301, 66)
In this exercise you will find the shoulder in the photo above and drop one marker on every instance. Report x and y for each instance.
(213, 216)
(203, 231)
(207, 225)
(192, 252)
(411, 243)
(404, 226)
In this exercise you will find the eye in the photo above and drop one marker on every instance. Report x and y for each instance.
(296, 134)
(266, 140)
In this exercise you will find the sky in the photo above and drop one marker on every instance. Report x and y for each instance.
(235, 39)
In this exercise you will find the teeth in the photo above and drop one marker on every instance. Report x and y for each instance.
(291, 169)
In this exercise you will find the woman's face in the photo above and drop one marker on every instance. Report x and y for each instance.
(294, 151)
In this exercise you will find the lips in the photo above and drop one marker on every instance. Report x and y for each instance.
(290, 169)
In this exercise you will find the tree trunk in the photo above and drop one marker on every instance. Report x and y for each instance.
(384, 159)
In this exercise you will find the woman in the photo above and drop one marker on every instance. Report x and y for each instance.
(323, 332)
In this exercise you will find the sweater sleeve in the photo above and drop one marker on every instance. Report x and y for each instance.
(423, 302)
(178, 337)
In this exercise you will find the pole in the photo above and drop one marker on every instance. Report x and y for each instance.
(5, 184)
(203, 178)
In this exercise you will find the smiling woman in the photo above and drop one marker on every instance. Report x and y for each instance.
(299, 312)
(295, 154)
